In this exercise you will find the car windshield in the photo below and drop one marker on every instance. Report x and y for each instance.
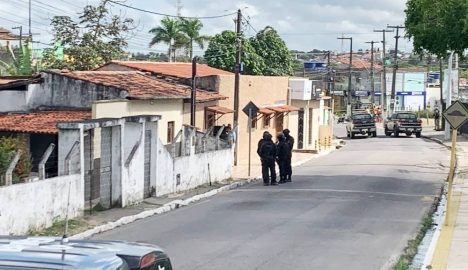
(406, 116)
(362, 116)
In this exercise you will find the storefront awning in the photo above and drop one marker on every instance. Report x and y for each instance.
(266, 111)
(219, 109)
(283, 109)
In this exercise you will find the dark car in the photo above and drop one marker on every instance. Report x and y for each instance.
(403, 122)
(362, 124)
(35, 253)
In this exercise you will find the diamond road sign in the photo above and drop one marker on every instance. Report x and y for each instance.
(253, 109)
(456, 115)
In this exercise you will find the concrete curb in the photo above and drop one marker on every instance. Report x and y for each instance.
(437, 141)
(178, 203)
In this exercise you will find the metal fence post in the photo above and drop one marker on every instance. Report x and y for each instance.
(45, 157)
(11, 168)
(67, 160)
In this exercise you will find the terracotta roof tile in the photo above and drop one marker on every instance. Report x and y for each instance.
(39, 122)
(140, 86)
(178, 70)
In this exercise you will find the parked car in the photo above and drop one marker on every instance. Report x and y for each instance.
(33, 253)
(361, 123)
(403, 122)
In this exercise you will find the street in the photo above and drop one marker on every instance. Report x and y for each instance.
(355, 208)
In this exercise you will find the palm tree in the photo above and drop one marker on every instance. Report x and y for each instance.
(191, 28)
(170, 33)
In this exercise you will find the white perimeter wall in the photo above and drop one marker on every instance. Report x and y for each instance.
(32, 206)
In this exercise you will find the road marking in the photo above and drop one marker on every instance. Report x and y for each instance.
(335, 190)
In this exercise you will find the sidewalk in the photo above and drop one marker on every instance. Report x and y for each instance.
(452, 245)
(100, 221)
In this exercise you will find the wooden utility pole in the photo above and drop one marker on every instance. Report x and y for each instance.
(237, 77)
(395, 67)
(372, 71)
(193, 96)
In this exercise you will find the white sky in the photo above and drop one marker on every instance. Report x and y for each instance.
(303, 24)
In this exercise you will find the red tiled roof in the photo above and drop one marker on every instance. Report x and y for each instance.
(39, 122)
(178, 70)
(219, 109)
(283, 108)
(140, 86)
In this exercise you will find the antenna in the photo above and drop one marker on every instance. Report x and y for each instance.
(65, 237)
(179, 7)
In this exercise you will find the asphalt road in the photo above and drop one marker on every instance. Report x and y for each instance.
(353, 209)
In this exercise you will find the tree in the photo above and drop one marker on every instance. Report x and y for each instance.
(95, 39)
(437, 26)
(221, 53)
(170, 33)
(21, 64)
(191, 28)
(269, 46)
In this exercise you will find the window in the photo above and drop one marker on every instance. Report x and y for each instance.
(170, 131)
(266, 120)
(279, 118)
(210, 119)
(254, 122)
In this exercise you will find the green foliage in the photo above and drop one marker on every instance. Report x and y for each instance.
(94, 40)
(21, 64)
(221, 53)
(274, 52)
(170, 33)
(8, 147)
(437, 26)
(264, 54)
(191, 29)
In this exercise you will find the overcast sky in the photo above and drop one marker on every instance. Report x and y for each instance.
(303, 24)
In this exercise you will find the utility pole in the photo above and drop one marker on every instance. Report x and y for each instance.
(30, 34)
(349, 96)
(193, 96)
(328, 73)
(383, 90)
(20, 35)
(237, 77)
(395, 66)
(372, 71)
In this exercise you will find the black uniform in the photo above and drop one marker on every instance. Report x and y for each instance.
(268, 156)
(260, 142)
(290, 142)
(282, 157)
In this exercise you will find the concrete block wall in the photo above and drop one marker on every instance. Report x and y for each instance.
(33, 206)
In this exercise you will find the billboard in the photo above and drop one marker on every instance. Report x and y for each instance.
(414, 82)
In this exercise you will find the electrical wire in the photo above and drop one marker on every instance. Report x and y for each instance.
(173, 16)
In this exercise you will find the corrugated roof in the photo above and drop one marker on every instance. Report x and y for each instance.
(178, 70)
(140, 86)
(39, 122)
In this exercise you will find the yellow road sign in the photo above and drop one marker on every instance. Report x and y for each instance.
(456, 115)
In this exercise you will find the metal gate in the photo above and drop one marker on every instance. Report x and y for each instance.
(147, 173)
(300, 131)
(106, 168)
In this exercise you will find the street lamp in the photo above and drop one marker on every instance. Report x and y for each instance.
(349, 97)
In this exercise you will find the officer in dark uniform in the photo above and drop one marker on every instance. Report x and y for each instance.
(260, 142)
(282, 156)
(268, 156)
(290, 142)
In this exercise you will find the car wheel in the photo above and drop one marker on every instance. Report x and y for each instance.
(418, 134)
(352, 135)
(374, 134)
(395, 133)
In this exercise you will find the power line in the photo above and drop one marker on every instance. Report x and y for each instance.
(173, 16)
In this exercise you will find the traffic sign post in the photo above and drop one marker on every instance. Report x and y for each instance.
(456, 115)
(251, 111)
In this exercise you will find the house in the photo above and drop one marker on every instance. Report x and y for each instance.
(269, 93)
(313, 127)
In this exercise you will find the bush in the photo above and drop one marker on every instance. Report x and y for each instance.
(8, 148)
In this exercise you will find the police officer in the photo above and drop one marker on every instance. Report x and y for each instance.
(282, 156)
(289, 140)
(268, 156)
(260, 142)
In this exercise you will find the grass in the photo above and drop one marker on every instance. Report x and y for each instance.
(404, 262)
(58, 228)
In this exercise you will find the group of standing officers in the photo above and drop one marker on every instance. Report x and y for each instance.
(279, 152)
